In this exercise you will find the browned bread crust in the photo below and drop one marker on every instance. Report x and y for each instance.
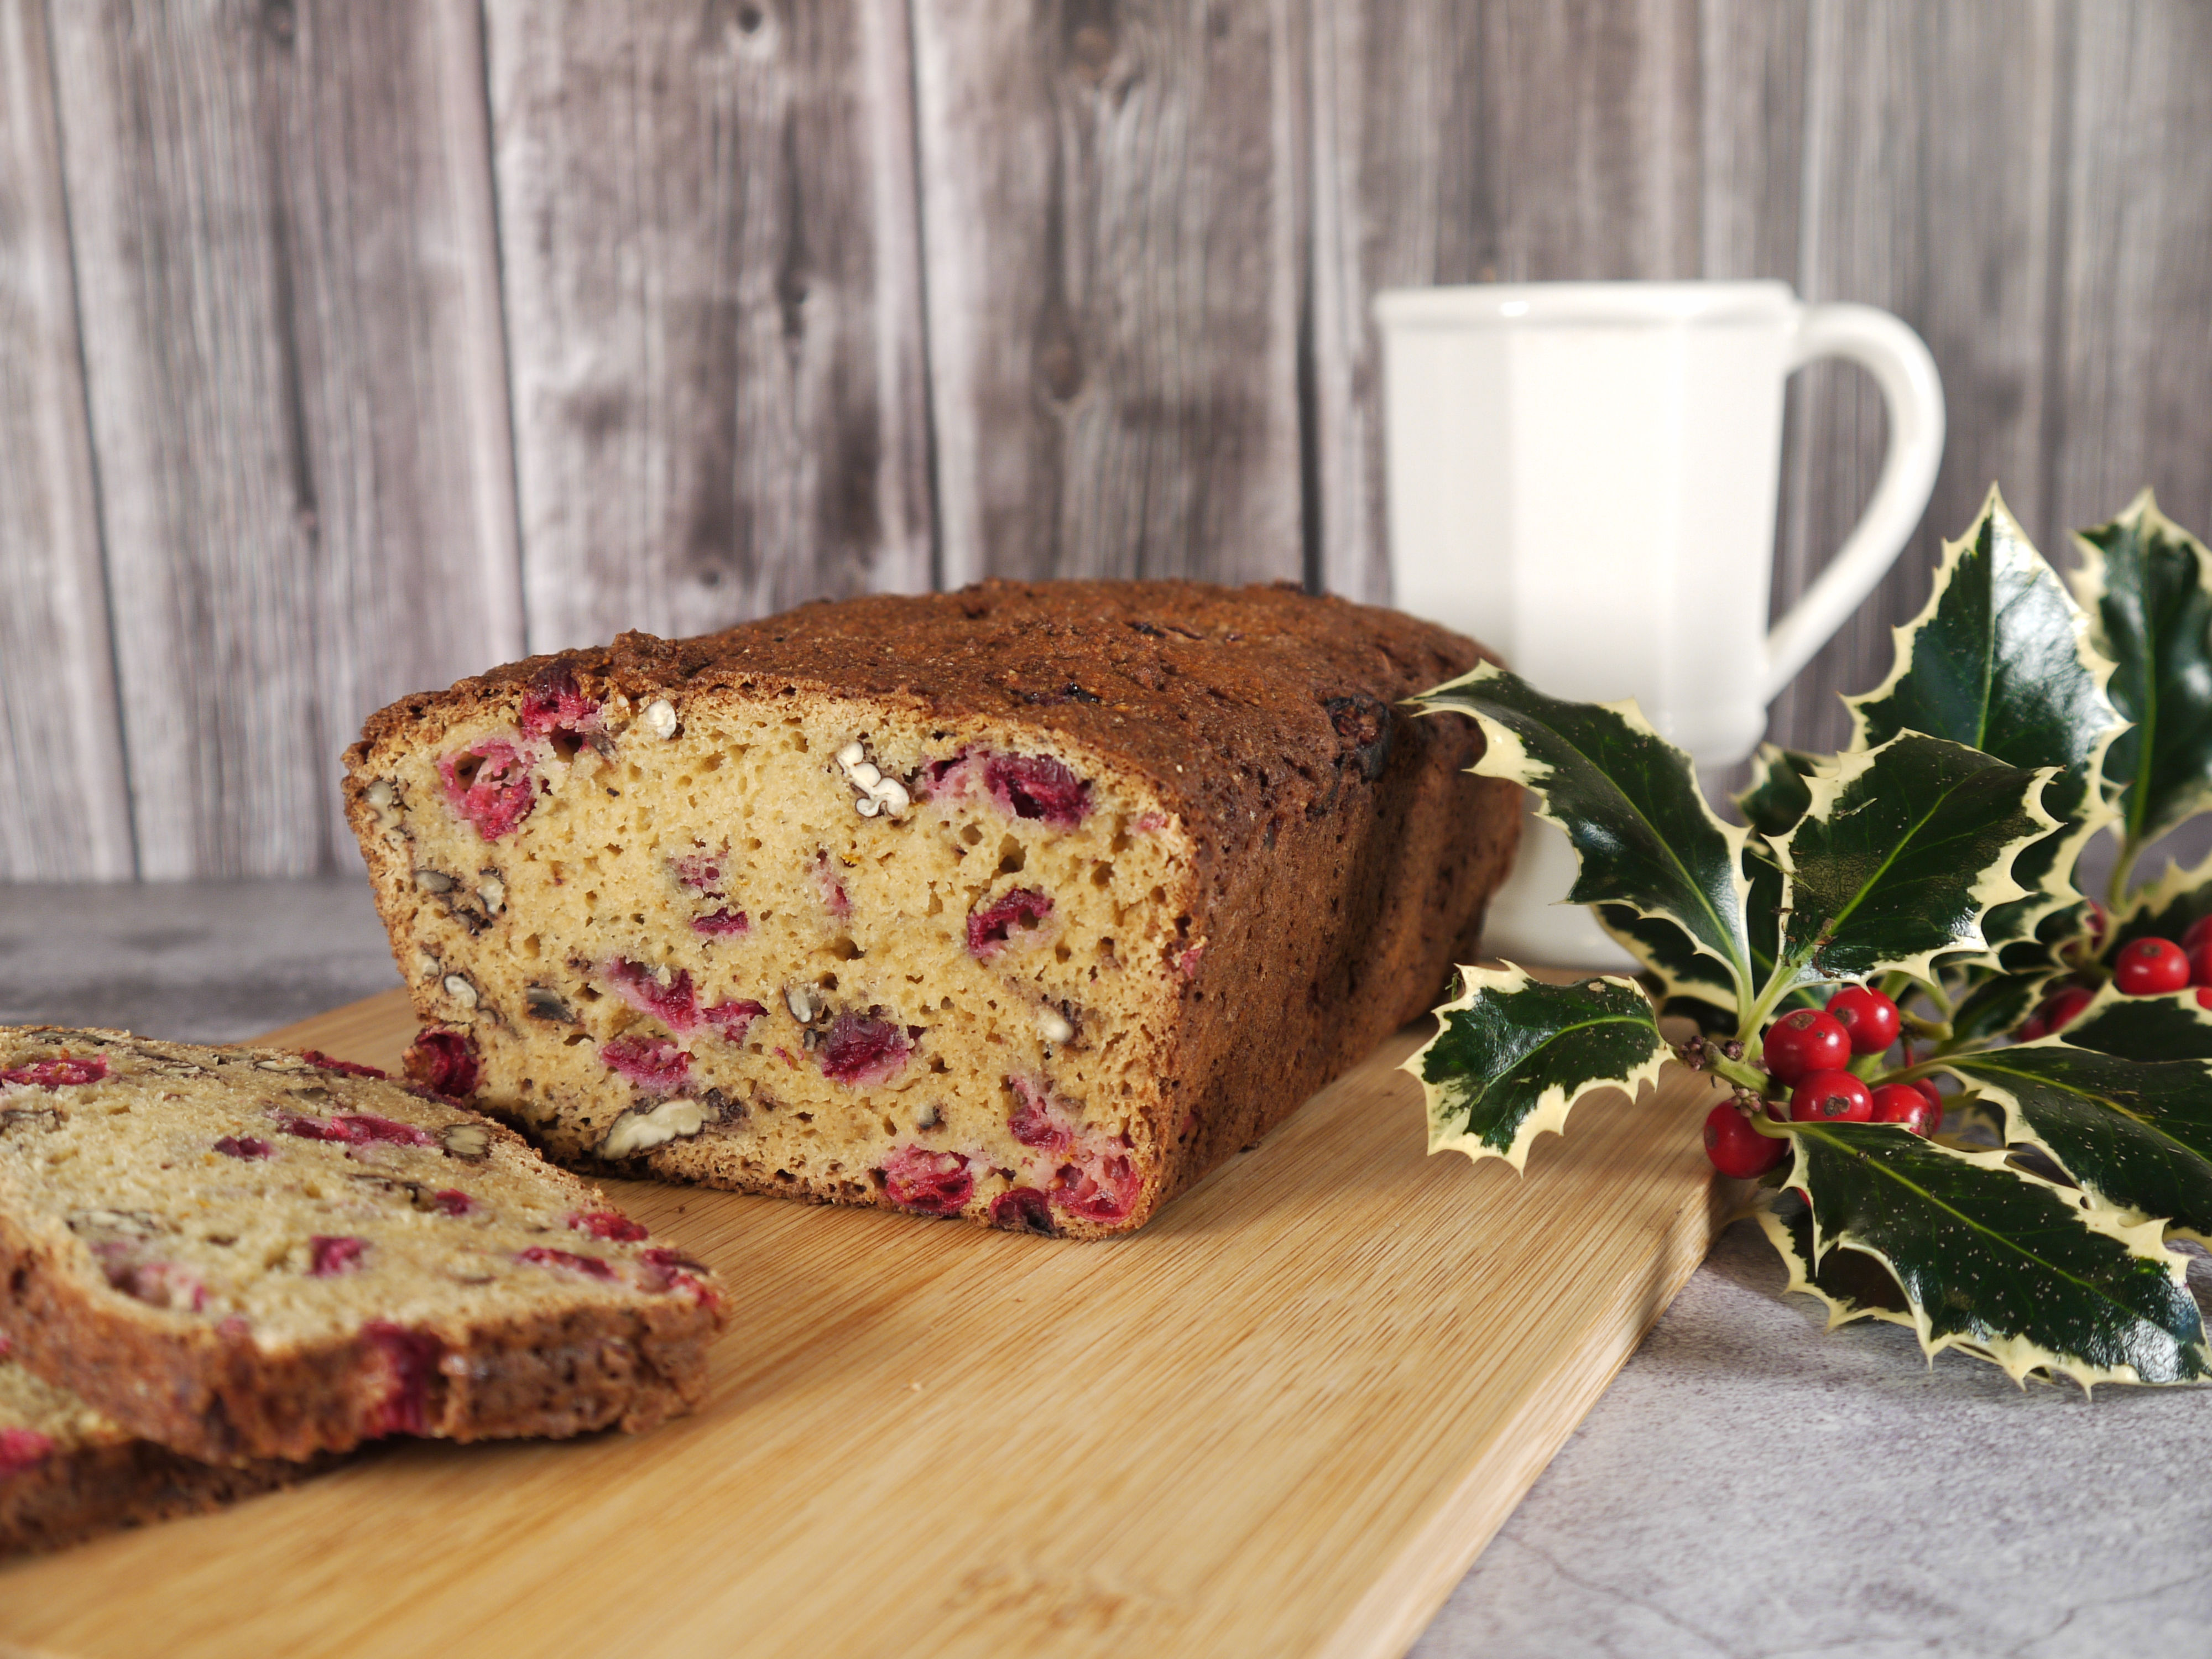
(348, 1324)
(1330, 856)
(96, 1489)
(67, 1473)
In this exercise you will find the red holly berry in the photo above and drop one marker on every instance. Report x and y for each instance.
(1830, 1097)
(2204, 996)
(1927, 1086)
(1902, 1103)
(2150, 967)
(2199, 932)
(1868, 1017)
(1805, 1042)
(1737, 1149)
(2200, 964)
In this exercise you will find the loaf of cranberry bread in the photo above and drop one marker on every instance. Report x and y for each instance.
(68, 1473)
(243, 1253)
(1023, 903)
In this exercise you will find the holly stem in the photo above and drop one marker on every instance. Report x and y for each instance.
(1779, 983)
(2122, 867)
(1933, 1063)
(1736, 1071)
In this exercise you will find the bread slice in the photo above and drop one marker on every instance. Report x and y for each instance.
(1027, 904)
(242, 1252)
(68, 1473)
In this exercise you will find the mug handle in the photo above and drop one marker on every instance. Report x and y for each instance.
(1912, 392)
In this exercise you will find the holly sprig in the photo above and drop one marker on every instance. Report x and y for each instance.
(1975, 1101)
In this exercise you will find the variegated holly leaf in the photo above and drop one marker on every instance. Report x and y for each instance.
(1851, 1283)
(1687, 974)
(1668, 954)
(2147, 583)
(2060, 941)
(1999, 1263)
(1997, 1005)
(1683, 972)
(1628, 800)
(2165, 908)
(1903, 852)
(2000, 659)
(1778, 797)
(2172, 1027)
(2137, 1134)
(1513, 1054)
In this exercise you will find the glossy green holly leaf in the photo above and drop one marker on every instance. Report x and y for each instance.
(2165, 908)
(1669, 956)
(1682, 970)
(2000, 659)
(1851, 1284)
(2060, 942)
(2170, 1027)
(2147, 583)
(1513, 1054)
(1999, 1263)
(1997, 1004)
(1903, 852)
(1778, 797)
(2137, 1134)
(1628, 800)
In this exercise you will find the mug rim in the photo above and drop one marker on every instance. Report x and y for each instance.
(1520, 304)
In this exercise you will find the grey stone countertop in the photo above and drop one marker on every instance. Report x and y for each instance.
(1747, 1486)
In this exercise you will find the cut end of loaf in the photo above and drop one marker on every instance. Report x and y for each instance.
(803, 945)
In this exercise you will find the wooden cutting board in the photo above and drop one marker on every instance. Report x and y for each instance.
(1282, 1419)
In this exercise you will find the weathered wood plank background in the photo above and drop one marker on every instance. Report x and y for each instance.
(347, 350)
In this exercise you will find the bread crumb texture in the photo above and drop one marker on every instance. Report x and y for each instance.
(965, 905)
(244, 1253)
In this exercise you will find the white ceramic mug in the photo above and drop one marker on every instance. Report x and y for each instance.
(1584, 475)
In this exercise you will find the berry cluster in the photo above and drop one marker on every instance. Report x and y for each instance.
(1820, 1066)
(2146, 967)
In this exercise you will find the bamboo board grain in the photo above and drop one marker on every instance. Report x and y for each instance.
(1283, 1420)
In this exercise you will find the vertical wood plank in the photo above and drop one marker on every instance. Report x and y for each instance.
(712, 295)
(1751, 86)
(1492, 142)
(279, 216)
(1111, 207)
(64, 808)
(1928, 190)
(2133, 357)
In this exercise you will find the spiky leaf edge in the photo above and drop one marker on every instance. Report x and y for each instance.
(2015, 1129)
(2017, 1357)
(1842, 1310)
(2154, 908)
(2054, 889)
(1776, 797)
(2175, 1016)
(1992, 887)
(1505, 756)
(1550, 1112)
(2090, 590)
